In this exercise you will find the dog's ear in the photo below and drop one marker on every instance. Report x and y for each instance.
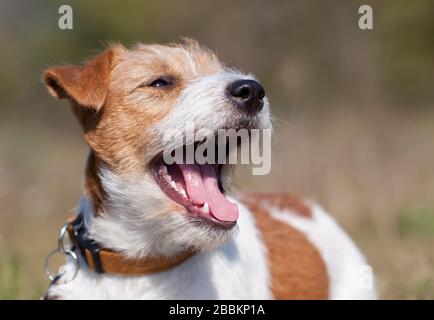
(86, 85)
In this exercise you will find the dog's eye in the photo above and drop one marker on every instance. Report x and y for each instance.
(161, 82)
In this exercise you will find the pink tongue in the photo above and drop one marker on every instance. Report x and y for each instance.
(193, 182)
(202, 186)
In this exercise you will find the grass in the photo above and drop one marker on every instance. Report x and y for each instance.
(416, 222)
(9, 277)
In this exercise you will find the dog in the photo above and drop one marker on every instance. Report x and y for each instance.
(148, 230)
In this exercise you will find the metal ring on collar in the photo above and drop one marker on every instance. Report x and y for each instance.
(69, 253)
(60, 239)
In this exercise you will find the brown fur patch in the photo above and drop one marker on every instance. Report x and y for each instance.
(92, 183)
(297, 269)
(86, 85)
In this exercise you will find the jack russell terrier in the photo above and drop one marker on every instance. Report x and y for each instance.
(146, 229)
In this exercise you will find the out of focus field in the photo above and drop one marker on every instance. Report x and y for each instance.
(354, 127)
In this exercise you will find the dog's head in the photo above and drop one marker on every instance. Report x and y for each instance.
(127, 101)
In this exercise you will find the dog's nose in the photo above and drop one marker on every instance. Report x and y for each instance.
(248, 95)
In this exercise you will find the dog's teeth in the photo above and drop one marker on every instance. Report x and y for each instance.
(182, 192)
(165, 171)
(173, 184)
(206, 207)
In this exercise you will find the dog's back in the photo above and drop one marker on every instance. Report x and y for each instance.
(309, 255)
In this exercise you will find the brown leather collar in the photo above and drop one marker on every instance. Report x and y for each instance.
(103, 260)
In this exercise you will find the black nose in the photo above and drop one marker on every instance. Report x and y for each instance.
(248, 95)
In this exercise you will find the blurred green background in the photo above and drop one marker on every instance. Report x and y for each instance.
(355, 128)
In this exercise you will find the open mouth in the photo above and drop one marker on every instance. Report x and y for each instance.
(198, 188)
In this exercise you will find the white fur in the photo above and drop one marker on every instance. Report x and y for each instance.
(138, 222)
(236, 270)
(348, 271)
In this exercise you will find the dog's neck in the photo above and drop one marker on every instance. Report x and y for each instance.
(129, 213)
(112, 232)
(110, 205)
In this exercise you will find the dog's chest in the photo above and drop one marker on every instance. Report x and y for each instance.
(237, 270)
